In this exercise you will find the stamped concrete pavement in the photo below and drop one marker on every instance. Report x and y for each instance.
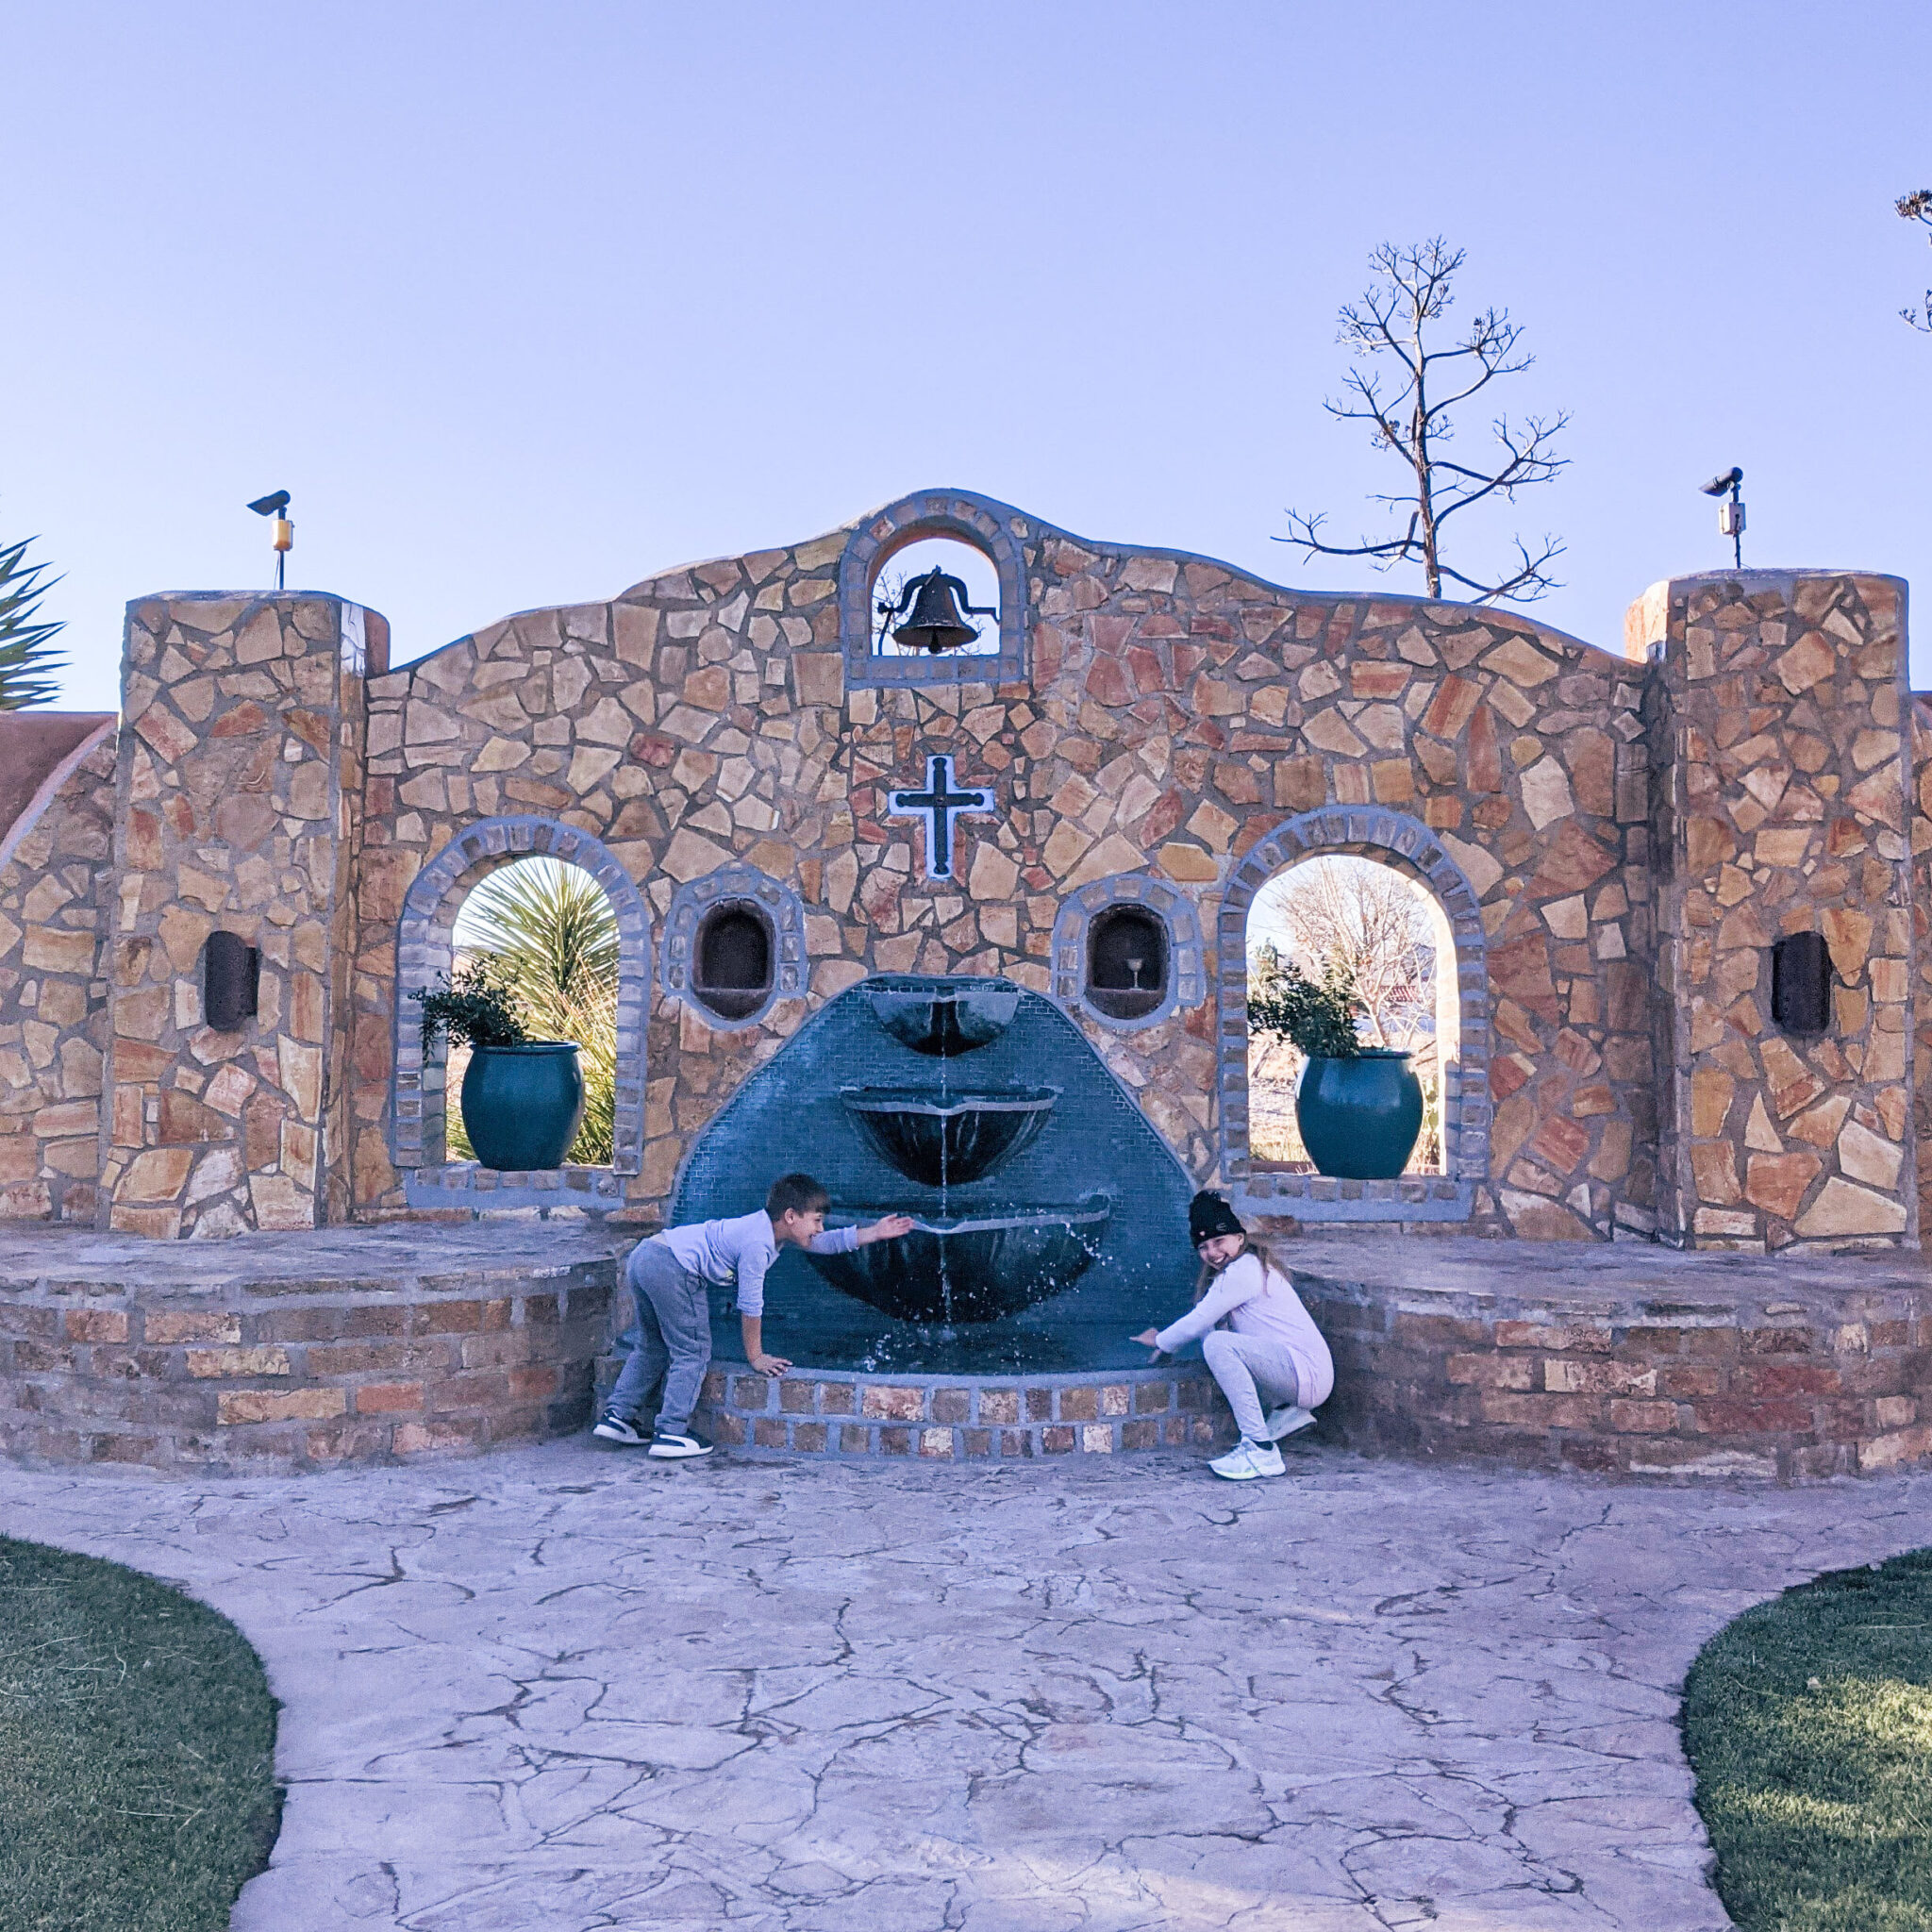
(564, 1688)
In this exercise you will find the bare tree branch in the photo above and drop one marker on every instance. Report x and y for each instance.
(1413, 290)
(1917, 207)
(1370, 921)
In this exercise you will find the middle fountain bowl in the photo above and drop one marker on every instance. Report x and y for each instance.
(948, 1139)
(974, 1269)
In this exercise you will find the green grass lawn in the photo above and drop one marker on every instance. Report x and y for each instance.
(1808, 1723)
(137, 1752)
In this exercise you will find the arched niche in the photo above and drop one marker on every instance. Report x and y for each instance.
(424, 950)
(1394, 839)
(732, 893)
(1085, 911)
(988, 526)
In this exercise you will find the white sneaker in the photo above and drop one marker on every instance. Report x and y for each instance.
(1283, 1422)
(614, 1428)
(1246, 1461)
(678, 1447)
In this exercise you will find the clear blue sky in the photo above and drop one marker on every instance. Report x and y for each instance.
(525, 303)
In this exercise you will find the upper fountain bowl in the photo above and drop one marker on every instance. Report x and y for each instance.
(948, 1139)
(942, 1016)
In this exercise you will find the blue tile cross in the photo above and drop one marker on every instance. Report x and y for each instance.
(939, 805)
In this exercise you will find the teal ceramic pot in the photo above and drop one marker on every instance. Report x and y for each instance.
(521, 1103)
(1359, 1118)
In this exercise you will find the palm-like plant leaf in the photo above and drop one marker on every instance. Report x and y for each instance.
(26, 663)
(553, 934)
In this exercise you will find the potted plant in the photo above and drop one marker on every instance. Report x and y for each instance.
(522, 1098)
(1360, 1107)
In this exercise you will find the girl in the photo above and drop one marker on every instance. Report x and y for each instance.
(1269, 1344)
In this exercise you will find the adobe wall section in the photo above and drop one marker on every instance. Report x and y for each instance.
(55, 852)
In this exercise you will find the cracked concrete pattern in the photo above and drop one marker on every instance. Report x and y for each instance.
(566, 1689)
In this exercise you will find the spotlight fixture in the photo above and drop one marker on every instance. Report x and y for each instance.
(1730, 516)
(274, 505)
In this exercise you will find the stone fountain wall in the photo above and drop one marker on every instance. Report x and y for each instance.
(1174, 715)
(789, 1116)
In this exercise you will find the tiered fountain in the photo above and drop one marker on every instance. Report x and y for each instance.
(1050, 1217)
(943, 1134)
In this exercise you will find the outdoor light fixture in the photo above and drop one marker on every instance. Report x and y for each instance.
(1730, 516)
(284, 530)
(230, 981)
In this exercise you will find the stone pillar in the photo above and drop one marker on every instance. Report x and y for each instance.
(1776, 715)
(239, 809)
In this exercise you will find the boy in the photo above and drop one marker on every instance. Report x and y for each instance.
(668, 1275)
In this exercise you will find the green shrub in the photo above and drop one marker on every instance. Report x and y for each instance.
(1318, 1015)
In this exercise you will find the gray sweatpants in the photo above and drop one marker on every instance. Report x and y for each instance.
(671, 1341)
(1248, 1366)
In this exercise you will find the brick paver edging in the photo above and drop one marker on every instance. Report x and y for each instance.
(963, 1418)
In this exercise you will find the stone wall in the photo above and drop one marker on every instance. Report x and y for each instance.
(1635, 1359)
(1782, 773)
(239, 809)
(297, 1351)
(1177, 728)
(1175, 713)
(55, 860)
(966, 1418)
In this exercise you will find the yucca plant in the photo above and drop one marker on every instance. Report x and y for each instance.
(26, 663)
(551, 934)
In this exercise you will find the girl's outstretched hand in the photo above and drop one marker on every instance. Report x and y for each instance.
(1149, 1338)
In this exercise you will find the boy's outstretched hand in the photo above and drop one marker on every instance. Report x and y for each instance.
(888, 1228)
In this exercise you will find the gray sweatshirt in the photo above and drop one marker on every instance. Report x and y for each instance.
(739, 1251)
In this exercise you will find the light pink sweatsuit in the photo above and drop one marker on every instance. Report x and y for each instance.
(1270, 1340)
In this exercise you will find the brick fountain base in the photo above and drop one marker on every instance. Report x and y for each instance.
(369, 1344)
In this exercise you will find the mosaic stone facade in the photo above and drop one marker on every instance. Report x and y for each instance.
(1614, 839)
(54, 868)
(237, 805)
(1782, 775)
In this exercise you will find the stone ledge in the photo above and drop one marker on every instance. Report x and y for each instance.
(961, 1418)
(1320, 1197)
(465, 1185)
(1623, 1358)
(281, 1354)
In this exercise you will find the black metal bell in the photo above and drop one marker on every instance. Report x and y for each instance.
(936, 623)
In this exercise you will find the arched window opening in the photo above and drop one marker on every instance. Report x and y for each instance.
(547, 932)
(1390, 936)
(1128, 963)
(937, 596)
(735, 959)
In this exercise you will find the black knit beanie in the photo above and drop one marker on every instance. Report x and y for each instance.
(1209, 1215)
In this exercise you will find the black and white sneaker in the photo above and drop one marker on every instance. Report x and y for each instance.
(668, 1446)
(614, 1428)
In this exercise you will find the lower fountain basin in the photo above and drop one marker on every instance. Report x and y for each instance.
(976, 1268)
(942, 1016)
(945, 1140)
